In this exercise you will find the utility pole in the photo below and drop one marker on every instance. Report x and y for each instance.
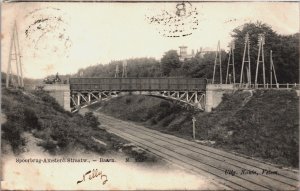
(117, 71)
(218, 63)
(194, 128)
(14, 55)
(230, 58)
(272, 70)
(261, 42)
(248, 70)
(124, 73)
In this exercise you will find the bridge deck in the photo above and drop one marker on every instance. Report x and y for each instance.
(137, 84)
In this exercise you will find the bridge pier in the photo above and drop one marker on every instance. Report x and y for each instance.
(61, 93)
(214, 94)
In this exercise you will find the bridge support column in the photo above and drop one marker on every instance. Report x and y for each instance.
(78, 99)
(214, 94)
(61, 93)
(89, 98)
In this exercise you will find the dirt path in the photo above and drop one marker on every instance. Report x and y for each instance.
(219, 166)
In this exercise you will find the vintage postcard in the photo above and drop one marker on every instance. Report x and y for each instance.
(150, 95)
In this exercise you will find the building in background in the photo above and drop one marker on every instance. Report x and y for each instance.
(183, 52)
(203, 51)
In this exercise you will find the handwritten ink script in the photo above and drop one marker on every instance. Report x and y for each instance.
(250, 172)
(92, 174)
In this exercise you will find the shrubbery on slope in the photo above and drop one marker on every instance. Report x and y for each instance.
(45, 118)
(264, 125)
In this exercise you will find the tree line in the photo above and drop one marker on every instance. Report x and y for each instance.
(285, 58)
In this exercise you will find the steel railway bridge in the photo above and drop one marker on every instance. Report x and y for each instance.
(87, 91)
(196, 92)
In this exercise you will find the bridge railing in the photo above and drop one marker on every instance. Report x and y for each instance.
(267, 86)
(137, 84)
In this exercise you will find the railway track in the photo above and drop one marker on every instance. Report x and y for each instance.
(209, 162)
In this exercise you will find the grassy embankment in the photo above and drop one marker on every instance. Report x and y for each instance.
(262, 126)
(61, 131)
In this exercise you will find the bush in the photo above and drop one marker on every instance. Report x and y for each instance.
(128, 100)
(12, 133)
(31, 120)
(50, 101)
(141, 99)
(151, 113)
(49, 145)
(164, 104)
(168, 120)
(91, 120)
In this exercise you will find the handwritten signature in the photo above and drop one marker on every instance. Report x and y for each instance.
(93, 174)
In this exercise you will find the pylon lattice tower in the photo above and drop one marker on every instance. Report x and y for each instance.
(14, 55)
(246, 59)
(217, 63)
(124, 73)
(117, 71)
(260, 58)
(272, 70)
(230, 63)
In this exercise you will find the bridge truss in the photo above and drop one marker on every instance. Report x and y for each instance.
(81, 99)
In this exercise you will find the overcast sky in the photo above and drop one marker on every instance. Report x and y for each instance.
(63, 37)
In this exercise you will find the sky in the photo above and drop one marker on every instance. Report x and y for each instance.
(64, 37)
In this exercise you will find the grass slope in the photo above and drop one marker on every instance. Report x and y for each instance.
(264, 125)
(62, 131)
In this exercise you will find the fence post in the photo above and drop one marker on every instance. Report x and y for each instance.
(194, 133)
(287, 85)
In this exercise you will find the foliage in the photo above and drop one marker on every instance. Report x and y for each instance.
(285, 57)
(49, 145)
(136, 67)
(12, 133)
(203, 66)
(31, 119)
(41, 114)
(48, 100)
(264, 126)
(170, 62)
(91, 120)
(285, 52)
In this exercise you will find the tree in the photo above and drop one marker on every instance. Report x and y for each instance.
(201, 66)
(285, 52)
(170, 61)
(286, 58)
(136, 67)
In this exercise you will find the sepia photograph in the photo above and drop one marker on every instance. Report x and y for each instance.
(149, 95)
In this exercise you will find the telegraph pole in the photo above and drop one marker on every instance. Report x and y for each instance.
(117, 71)
(14, 55)
(261, 42)
(124, 73)
(272, 70)
(218, 63)
(194, 127)
(230, 58)
(248, 70)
